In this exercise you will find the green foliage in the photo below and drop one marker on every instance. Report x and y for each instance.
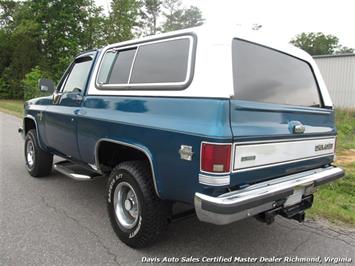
(177, 18)
(47, 34)
(336, 201)
(317, 43)
(30, 84)
(345, 50)
(13, 107)
(171, 15)
(122, 19)
(4, 89)
(345, 122)
(149, 13)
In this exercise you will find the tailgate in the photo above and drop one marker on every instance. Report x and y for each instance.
(266, 147)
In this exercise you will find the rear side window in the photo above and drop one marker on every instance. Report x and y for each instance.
(163, 64)
(122, 67)
(262, 74)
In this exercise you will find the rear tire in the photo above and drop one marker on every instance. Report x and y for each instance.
(38, 162)
(137, 215)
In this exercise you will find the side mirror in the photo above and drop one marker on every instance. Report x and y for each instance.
(46, 85)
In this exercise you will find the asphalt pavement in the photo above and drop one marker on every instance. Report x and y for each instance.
(59, 221)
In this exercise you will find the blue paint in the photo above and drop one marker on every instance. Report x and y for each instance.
(160, 125)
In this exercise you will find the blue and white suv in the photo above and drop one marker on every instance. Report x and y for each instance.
(230, 124)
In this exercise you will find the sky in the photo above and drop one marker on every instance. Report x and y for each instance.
(280, 19)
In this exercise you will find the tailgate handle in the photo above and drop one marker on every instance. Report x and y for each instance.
(296, 127)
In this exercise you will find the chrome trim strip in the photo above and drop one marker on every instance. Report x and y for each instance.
(240, 204)
(277, 163)
(281, 140)
(281, 163)
(210, 180)
(131, 69)
(131, 146)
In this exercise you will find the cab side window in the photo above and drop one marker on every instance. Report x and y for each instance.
(77, 77)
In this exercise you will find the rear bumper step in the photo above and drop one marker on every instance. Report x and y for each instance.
(261, 197)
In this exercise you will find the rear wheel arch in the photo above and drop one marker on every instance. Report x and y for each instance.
(109, 153)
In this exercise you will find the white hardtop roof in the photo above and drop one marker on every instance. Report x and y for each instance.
(213, 75)
(224, 35)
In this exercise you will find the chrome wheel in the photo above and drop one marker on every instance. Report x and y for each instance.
(126, 205)
(30, 153)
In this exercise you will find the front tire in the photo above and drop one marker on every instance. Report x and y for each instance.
(38, 162)
(137, 215)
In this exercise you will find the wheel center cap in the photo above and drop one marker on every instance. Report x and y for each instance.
(128, 205)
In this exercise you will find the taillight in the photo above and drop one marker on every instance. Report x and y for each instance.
(215, 158)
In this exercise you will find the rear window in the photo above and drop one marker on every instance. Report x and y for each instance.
(262, 74)
(163, 64)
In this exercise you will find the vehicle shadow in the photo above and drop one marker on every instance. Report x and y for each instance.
(184, 238)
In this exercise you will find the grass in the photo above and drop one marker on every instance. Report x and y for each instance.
(345, 122)
(335, 201)
(13, 107)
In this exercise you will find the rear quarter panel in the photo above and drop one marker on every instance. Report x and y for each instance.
(159, 126)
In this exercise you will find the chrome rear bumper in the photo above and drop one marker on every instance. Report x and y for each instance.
(261, 197)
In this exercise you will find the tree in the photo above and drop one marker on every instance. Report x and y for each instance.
(44, 33)
(177, 17)
(122, 19)
(150, 11)
(7, 10)
(345, 50)
(317, 43)
(167, 15)
(172, 15)
(66, 28)
(192, 17)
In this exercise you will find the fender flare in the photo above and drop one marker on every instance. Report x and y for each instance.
(37, 130)
(134, 146)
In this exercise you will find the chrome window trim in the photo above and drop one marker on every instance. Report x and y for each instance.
(131, 69)
(217, 143)
(131, 146)
(141, 86)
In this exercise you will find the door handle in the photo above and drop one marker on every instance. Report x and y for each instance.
(79, 112)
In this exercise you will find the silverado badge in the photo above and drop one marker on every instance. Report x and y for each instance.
(322, 147)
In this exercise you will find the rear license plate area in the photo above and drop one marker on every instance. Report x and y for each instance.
(296, 197)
